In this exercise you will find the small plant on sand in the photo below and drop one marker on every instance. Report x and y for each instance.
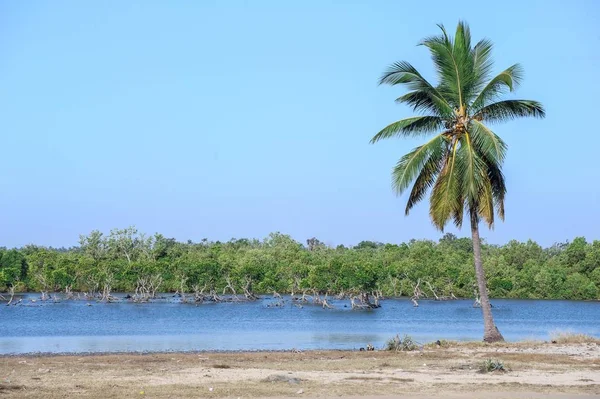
(565, 337)
(404, 344)
(490, 365)
(441, 343)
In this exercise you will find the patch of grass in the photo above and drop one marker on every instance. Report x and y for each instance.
(491, 365)
(566, 337)
(442, 343)
(476, 345)
(10, 387)
(400, 345)
(221, 366)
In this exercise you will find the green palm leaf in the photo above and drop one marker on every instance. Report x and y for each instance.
(485, 205)
(404, 73)
(482, 63)
(487, 143)
(498, 186)
(426, 178)
(421, 101)
(503, 111)
(447, 69)
(414, 126)
(506, 80)
(469, 166)
(411, 165)
(446, 195)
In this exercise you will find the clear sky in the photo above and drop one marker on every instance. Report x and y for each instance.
(224, 119)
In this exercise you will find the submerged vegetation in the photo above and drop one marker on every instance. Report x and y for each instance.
(128, 261)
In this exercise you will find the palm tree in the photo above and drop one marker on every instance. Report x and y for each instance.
(462, 164)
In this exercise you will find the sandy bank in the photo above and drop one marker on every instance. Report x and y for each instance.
(535, 370)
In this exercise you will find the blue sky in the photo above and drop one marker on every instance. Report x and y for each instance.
(225, 119)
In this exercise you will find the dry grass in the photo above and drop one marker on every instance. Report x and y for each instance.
(546, 361)
(446, 344)
(221, 366)
(565, 337)
(10, 387)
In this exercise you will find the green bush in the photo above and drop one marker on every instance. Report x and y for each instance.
(404, 344)
(491, 365)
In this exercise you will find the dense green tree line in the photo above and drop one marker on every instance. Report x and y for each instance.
(279, 263)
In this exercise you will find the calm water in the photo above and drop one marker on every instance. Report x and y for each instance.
(72, 326)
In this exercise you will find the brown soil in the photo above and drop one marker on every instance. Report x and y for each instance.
(534, 371)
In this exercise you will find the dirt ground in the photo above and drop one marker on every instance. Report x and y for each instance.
(535, 370)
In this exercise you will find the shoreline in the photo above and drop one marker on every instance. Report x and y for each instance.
(572, 369)
(190, 352)
(564, 337)
(421, 347)
(167, 295)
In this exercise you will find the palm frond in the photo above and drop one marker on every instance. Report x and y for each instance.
(454, 61)
(465, 63)
(447, 69)
(446, 197)
(498, 185)
(502, 111)
(423, 101)
(426, 178)
(487, 143)
(457, 215)
(475, 174)
(482, 63)
(403, 72)
(492, 150)
(410, 127)
(476, 185)
(411, 164)
(443, 38)
(470, 167)
(506, 80)
(462, 40)
(485, 203)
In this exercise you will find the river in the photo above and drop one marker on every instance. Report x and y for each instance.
(167, 325)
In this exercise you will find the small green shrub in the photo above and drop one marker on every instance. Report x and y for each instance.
(490, 365)
(404, 344)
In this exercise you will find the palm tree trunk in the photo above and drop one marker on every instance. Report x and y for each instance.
(490, 331)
